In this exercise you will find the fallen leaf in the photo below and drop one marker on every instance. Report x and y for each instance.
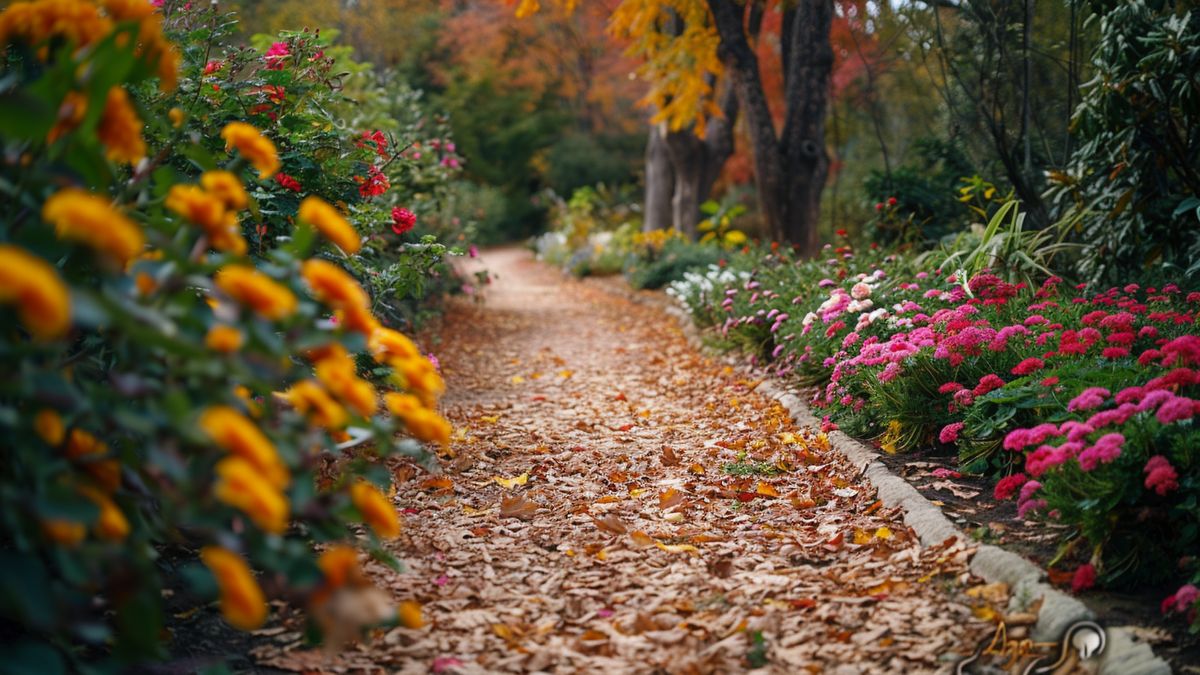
(669, 498)
(490, 419)
(766, 490)
(883, 533)
(565, 374)
(641, 539)
(517, 379)
(517, 507)
(512, 482)
(677, 548)
(437, 483)
(669, 458)
(409, 613)
(697, 469)
(611, 523)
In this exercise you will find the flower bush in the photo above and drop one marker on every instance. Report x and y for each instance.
(190, 353)
(1082, 401)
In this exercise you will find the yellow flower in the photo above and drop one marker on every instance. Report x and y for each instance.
(337, 372)
(308, 398)
(247, 399)
(176, 116)
(48, 425)
(330, 223)
(34, 286)
(256, 148)
(128, 10)
(91, 220)
(242, 601)
(376, 510)
(226, 187)
(64, 532)
(209, 212)
(421, 422)
(257, 291)
(70, 115)
(235, 433)
(332, 284)
(358, 318)
(111, 524)
(79, 23)
(240, 485)
(121, 129)
(224, 339)
(387, 345)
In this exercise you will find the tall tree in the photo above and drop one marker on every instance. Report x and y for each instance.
(790, 165)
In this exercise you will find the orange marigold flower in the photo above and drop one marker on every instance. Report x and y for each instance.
(376, 510)
(409, 613)
(34, 286)
(208, 210)
(121, 129)
(242, 601)
(420, 376)
(240, 485)
(88, 451)
(358, 318)
(339, 564)
(420, 421)
(256, 148)
(309, 398)
(128, 10)
(321, 215)
(236, 433)
(176, 116)
(64, 532)
(70, 115)
(337, 371)
(89, 219)
(387, 345)
(226, 187)
(48, 425)
(111, 524)
(252, 288)
(145, 283)
(333, 285)
(36, 22)
(224, 339)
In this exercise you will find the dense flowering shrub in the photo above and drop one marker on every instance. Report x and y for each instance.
(186, 346)
(1090, 396)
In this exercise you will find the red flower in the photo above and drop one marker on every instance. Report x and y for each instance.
(276, 55)
(1028, 366)
(891, 201)
(375, 184)
(213, 66)
(403, 220)
(376, 137)
(1085, 578)
(287, 182)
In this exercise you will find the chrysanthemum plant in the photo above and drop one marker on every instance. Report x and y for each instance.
(176, 379)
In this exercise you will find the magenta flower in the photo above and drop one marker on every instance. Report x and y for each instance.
(1182, 600)
(1160, 475)
(1175, 409)
(1029, 365)
(949, 433)
(1092, 397)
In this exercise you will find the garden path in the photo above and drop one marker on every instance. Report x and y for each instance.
(659, 515)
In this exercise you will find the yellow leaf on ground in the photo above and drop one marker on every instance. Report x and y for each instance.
(512, 482)
(409, 614)
(565, 373)
(517, 379)
(490, 419)
(677, 548)
(696, 469)
(883, 533)
(861, 537)
(642, 539)
(766, 490)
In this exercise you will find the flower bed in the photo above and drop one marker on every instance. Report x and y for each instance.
(1080, 402)
(186, 340)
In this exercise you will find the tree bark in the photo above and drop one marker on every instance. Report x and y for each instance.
(698, 161)
(660, 182)
(791, 166)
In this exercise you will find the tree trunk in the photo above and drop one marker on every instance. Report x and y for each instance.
(660, 182)
(698, 162)
(790, 167)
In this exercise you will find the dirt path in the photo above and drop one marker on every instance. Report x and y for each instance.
(670, 519)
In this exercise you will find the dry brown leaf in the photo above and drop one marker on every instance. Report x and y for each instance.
(611, 523)
(517, 507)
(669, 498)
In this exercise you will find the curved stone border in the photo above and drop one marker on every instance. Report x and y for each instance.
(1122, 654)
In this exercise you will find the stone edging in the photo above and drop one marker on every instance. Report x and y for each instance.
(1122, 654)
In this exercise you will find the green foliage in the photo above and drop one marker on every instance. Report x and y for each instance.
(676, 258)
(925, 208)
(154, 396)
(1134, 174)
